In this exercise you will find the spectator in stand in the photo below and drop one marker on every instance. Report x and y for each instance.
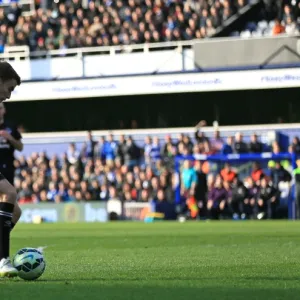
(147, 150)
(119, 23)
(155, 149)
(217, 142)
(169, 152)
(131, 153)
(199, 134)
(287, 13)
(201, 137)
(210, 29)
(239, 194)
(268, 198)
(217, 200)
(291, 27)
(104, 192)
(188, 144)
(40, 179)
(43, 196)
(278, 28)
(52, 192)
(88, 148)
(228, 146)
(295, 146)
(164, 184)
(163, 206)
(98, 150)
(168, 143)
(179, 139)
(227, 173)
(228, 187)
(240, 146)
(279, 174)
(145, 197)
(251, 199)
(255, 145)
(277, 150)
(73, 154)
(25, 193)
(109, 148)
(122, 148)
(197, 151)
(207, 149)
(182, 150)
(154, 188)
(63, 192)
(257, 172)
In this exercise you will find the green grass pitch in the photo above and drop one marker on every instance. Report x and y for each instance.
(201, 260)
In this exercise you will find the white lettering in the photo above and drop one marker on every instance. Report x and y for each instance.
(49, 215)
(94, 214)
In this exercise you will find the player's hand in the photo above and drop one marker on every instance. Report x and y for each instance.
(5, 135)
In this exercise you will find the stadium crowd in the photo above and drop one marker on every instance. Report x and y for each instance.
(108, 169)
(285, 20)
(68, 24)
(104, 23)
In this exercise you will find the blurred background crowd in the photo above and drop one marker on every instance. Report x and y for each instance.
(284, 20)
(122, 169)
(67, 24)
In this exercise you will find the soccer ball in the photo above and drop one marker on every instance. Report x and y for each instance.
(30, 263)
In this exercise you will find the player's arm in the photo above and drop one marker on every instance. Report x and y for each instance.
(14, 139)
(17, 144)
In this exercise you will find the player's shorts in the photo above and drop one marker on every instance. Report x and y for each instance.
(9, 176)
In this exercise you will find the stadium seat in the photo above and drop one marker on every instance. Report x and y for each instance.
(262, 25)
(246, 34)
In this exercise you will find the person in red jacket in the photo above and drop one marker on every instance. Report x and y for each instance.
(257, 172)
(227, 173)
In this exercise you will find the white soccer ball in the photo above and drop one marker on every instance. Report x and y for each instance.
(30, 263)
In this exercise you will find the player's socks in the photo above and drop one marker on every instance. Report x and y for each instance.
(6, 212)
(6, 268)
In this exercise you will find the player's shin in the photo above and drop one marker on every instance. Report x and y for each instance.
(6, 212)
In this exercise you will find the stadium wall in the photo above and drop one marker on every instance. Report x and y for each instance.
(85, 212)
(154, 58)
(64, 212)
(267, 106)
(158, 84)
(261, 51)
(105, 65)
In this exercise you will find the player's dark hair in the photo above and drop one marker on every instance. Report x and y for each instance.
(7, 72)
